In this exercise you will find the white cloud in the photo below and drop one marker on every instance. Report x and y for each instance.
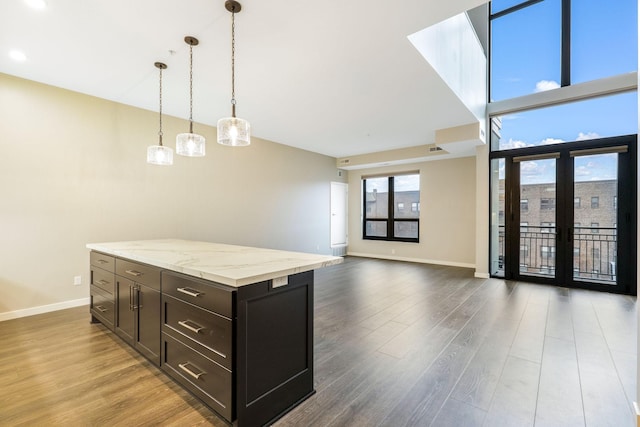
(549, 141)
(544, 85)
(530, 168)
(508, 145)
(588, 135)
(582, 171)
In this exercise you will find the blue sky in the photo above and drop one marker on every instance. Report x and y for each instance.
(526, 59)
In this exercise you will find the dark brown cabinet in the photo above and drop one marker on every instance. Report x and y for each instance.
(102, 305)
(246, 352)
(138, 307)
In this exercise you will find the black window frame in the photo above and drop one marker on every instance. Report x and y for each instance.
(390, 220)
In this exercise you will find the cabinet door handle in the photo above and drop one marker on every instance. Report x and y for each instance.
(134, 273)
(130, 298)
(190, 292)
(101, 309)
(195, 375)
(102, 282)
(102, 261)
(185, 324)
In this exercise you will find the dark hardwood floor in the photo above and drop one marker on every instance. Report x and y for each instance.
(396, 344)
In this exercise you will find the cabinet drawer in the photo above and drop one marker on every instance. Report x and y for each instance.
(140, 273)
(105, 262)
(208, 295)
(102, 306)
(211, 333)
(103, 279)
(203, 377)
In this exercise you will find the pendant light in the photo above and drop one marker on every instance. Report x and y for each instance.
(232, 130)
(159, 154)
(190, 144)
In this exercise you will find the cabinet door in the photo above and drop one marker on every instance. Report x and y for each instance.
(148, 327)
(125, 312)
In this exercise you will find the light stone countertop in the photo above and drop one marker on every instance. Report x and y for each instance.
(227, 264)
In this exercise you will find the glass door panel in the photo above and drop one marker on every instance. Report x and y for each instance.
(537, 253)
(595, 213)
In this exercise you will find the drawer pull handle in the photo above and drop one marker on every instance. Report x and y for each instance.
(133, 273)
(190, 292)
(101, 309)
(195, 375)
(186, 325)
(102, 282)
(103, 261)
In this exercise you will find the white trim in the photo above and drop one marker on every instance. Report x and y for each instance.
(481, 275)
(43, 309)
(601, 87)
(419, 260)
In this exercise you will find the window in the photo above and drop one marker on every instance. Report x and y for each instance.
(542, 45)
(381, 220)
(615, 202)
(595, 202)
(547, 227)
(576, 202)
(594, 227)
(547, 252)
(547, 204)
(524, 205)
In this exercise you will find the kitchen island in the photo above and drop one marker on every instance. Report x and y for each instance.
(231, 324)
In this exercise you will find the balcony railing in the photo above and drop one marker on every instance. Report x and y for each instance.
(594, 252)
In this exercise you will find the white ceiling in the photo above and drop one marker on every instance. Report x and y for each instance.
(334, 77)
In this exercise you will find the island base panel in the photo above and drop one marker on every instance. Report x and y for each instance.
(275, 348)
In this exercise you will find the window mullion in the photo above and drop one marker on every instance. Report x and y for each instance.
(391, 215)
(565, 66)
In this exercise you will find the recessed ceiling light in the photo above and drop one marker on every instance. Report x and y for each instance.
(36, 4)
(17, 55)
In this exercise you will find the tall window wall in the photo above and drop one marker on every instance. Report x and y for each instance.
(561, 72)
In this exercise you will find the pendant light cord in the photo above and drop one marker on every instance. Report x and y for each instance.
(160, 109)
(190, 88)
(233, 64)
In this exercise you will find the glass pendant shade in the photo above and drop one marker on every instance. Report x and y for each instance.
(190, 144)
(159, 155)
(234, 132)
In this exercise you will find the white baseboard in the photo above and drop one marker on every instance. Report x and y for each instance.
(418, 260)
(481, 275)
(43, 309)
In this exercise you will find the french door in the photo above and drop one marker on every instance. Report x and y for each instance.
(570, 214)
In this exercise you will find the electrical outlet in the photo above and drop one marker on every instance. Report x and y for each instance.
(77, 280)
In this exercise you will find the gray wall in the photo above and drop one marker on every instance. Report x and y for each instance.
(73, 170)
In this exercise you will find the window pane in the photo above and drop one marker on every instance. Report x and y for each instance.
(604, 39)
(377, 194)
(406, 192)
(497, 217)
(613, 115)
(500, 5)
(376, 229)
(405, 229)
(525, 51)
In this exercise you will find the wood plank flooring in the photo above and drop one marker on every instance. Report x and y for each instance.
(396, 344)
